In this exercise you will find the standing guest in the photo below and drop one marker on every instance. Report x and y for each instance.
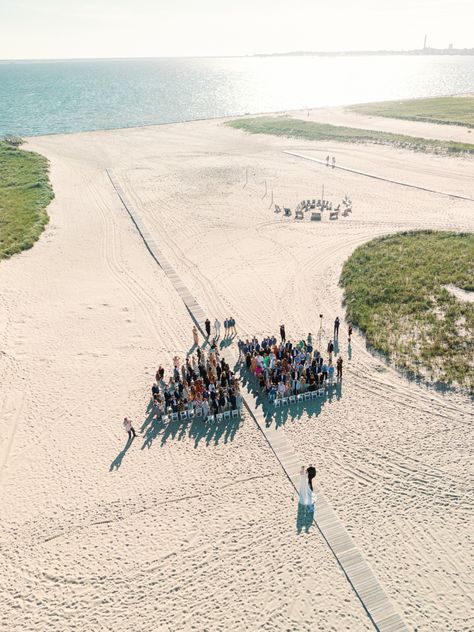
(339, 368)
(333, 161)
(336, 328)
(226, 327)
(127, 424)
(330, 349)
(282, 333)
(208, 327)
(195, 336)
(232, 325)
(350, 332)
(327, 160)
(217, 328)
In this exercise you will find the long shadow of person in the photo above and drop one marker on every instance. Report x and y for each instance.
(336, 346)
(349, 351)
(117, 462)
(304, 518)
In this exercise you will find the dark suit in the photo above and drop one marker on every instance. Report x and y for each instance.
(311, 471)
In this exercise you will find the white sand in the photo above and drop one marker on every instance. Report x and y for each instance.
(196, 532)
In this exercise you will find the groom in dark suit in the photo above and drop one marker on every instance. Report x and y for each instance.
(311, 472)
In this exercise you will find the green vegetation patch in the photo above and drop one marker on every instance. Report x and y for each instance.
(25, 192)
(395, 293)
(309, 130)
(444, 110)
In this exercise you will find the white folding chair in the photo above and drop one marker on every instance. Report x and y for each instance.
(314, 394)
(321, 392)
(183, 414)
(227, 414)
(174, 416)
(284, 400)
(307, 395)
(210, 418)
(235, 412)
(292, 398)
(219, 417)
(277, 403)
(198, 412)
(191, 413)
(299, 397)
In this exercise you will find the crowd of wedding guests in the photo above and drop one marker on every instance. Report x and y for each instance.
(285, 368)
(203, 384)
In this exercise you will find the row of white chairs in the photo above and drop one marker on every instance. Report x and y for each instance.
(283, 401)
(191, 414)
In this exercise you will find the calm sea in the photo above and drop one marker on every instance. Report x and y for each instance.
(69, 96)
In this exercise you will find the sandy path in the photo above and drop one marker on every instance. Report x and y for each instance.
(345, 116)
(162, 542)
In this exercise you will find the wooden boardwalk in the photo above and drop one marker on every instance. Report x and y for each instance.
(375, 177)
(366, 586)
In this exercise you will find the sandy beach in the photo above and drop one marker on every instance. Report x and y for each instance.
(198, 530)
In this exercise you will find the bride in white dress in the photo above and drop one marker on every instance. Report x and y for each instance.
(306, 493)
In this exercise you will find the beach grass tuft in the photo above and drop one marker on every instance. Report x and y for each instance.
(310, 130)
(25, 192)
(395, 293)
(443, 110)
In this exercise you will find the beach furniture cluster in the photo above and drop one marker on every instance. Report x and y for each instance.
(317, 208)
(203, 387)
(289, 372)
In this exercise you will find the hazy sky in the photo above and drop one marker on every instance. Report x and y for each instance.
(38, 29)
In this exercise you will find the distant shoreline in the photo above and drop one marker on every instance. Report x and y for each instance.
(372, 53)
(349, 53)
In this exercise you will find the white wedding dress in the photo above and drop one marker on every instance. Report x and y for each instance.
(306, 494)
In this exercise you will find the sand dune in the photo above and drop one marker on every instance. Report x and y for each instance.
(196, 529)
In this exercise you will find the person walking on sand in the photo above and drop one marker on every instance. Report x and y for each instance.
(311, 472)
(339, 368)
(349, 332)
(217, 328)
(336, 328)
(127, 424)
(327, 160)
(195, 336)
(333, 162)
(282, 333)
(207, 324)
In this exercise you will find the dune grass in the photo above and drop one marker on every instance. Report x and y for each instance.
(394, 292)
(443, 110)
(309, 130)
(25, 192)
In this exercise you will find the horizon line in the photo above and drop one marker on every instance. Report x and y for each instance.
(426, 51)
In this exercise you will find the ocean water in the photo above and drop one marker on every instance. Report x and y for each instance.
(68, 96)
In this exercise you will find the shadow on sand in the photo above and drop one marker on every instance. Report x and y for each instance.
(209, 432)
(304, 518)
(117, 462)
(307, 407)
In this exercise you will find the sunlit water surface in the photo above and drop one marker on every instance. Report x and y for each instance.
(68, 96)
